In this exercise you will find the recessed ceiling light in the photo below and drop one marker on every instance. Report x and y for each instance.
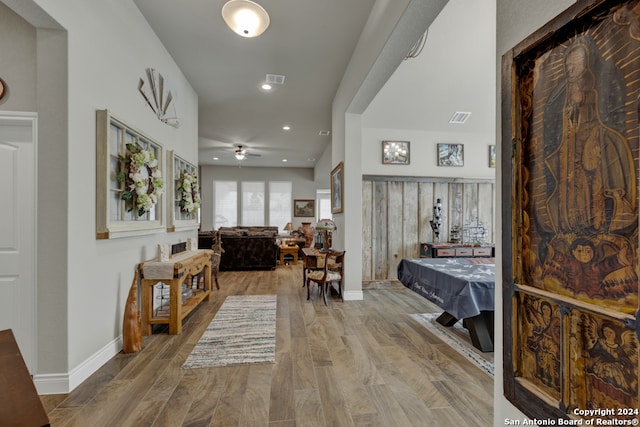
(286, 127)
(266, 86)
(215, 158)
(284, 160)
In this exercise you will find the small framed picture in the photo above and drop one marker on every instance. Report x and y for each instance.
(450, 154)
(395, 152)
(492, 156)
(337, 184)
(304, 208)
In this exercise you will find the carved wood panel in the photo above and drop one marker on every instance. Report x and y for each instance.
(571, 142)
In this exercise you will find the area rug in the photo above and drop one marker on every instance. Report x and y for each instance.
(242, 332)
(457, 337)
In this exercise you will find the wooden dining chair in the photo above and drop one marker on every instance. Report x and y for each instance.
(215, 258)
(332, 271)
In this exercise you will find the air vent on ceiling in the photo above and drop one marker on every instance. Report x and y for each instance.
(324, 133)
(275, 79)
(459, 117)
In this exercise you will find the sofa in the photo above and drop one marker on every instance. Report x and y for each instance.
(248, 248)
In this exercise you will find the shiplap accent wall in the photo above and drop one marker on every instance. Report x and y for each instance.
(396, 212)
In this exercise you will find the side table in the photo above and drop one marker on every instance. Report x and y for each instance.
(173, 274)
(289, 250)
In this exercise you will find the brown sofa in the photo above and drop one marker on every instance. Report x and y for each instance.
(248, 248)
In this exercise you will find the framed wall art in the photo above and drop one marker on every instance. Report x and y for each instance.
(183, 193)
(570, 284)
(492, 156)
(395, 152)
(450, 155)
(337, 188)
(129, 180)
(305, 208)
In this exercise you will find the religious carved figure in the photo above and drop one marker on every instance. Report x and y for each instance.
(544, 340)
(590, 175)
(611, 357)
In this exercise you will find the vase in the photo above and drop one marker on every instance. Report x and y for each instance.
(308, 233)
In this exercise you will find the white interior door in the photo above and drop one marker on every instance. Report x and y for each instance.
(18, 230)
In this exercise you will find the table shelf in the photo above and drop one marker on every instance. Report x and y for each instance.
(188, 306)
(173, 274)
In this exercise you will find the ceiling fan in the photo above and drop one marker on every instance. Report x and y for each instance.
(241, 153)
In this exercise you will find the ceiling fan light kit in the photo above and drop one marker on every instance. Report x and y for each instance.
(245, 18)
(241, 153)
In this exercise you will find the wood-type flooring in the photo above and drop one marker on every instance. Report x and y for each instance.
(354, 363)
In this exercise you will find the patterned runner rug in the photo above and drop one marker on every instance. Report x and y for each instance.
(242, 332)
(457, 337)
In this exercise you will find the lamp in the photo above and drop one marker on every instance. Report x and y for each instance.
(289, 228)
(240, 155)
(326, 227)
(245, 18)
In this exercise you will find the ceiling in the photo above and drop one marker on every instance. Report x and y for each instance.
(310, 42)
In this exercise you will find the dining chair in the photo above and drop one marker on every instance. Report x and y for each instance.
(332, 271)
(215, 258)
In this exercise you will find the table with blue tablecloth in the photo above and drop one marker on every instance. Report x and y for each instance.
(463, 287)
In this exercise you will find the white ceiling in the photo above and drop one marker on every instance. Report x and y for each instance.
(310, 42)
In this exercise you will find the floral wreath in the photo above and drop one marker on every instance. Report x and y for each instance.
(142, 178)
(190, 195)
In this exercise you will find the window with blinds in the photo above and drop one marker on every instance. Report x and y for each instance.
(280, 203)
(225, 204)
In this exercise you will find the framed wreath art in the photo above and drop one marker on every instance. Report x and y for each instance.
(129, 180)
(189, 200)
(184, 194)
(143, 180)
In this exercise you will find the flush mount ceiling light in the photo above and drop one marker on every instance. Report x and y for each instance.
(245, 17)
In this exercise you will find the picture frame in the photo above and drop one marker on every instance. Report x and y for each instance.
(118, 216)
(492, 156)
(304, 208)
(588, 49)
(337, 188)
(395, 152)
(183, 197)
(451, 155)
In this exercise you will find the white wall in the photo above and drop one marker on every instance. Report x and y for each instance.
(454, 72)
(423, 152)
(18, 61)
(109, 48)
(516, 19)
(304, 186)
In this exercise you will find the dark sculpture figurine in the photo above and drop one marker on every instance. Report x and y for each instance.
(436, 222)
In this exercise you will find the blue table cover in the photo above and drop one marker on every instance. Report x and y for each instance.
(460, 286)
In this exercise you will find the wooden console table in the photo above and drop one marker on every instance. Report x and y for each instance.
(173, 273)
(456, 250)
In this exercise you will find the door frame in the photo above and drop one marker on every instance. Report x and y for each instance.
(30, 119)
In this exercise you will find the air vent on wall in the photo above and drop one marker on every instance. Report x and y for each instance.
(275, 79)
(459, 117)
(324, 133)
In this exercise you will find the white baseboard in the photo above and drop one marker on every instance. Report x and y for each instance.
(65, 382)
(352, 295)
